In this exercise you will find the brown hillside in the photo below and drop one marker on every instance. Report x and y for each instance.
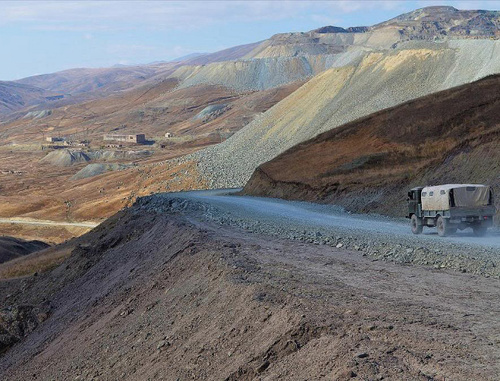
(150, 296)
(367, 165)
(152, 109)
(14, 96)
(31, 186)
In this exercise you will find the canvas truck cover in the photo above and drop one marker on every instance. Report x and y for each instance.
(465, 195)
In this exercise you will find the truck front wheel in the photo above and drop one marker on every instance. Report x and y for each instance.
(443, 227)
(416, 225)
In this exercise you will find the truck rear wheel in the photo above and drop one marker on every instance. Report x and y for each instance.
(416, 225)
(443, 227)
(479, 230)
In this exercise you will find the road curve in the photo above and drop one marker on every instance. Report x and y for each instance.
(324, 216)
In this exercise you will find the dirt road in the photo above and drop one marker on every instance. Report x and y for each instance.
(47, 223)
(325, 216)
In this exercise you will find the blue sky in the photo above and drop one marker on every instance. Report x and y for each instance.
(46, 36)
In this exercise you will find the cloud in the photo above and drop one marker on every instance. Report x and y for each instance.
(188, 15)
(116, 15)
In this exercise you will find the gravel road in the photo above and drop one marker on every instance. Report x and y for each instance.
(373, 235)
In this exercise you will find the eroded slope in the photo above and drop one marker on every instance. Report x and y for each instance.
(340, 95)
(150, 295)
(368, 165)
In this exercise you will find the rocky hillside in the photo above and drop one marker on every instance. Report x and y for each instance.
(369, 164)
(378, 80)
(442, 21)
(289, 56)
(76, 81)
(155, 295)
(15, 96)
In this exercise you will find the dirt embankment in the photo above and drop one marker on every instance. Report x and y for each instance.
(368, 165)
(155, 296)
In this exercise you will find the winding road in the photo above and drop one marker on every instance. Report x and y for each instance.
(279, 211)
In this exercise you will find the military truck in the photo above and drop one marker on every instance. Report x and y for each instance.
(450, 207)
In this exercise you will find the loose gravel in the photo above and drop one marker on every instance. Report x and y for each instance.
(378, 237)
(382, 79)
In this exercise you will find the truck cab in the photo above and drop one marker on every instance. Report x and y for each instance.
(415, 202)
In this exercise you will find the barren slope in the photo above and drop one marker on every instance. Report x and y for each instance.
(75, 81)
(287, 57)
(149, 295)
(340, 95)
(367, 165)
(14, 96)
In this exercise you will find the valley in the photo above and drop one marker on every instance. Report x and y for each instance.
(247, 104)
(240, 215)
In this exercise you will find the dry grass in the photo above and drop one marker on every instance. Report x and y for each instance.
(38, 262)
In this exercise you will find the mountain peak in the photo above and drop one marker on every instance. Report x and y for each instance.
(330, 29)
(440, 8)
(440, 21)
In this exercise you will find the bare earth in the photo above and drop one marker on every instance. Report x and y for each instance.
(155, 296)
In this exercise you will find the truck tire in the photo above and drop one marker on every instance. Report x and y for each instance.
(416, 225)
(479, 230)
(442, 225)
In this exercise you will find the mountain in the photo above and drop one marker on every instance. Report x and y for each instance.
(76, 81)
(188, 57)
(286, 57)
(368, 165)
(246, 104)
(229, 54)
(14, 96)
(279, 60)
(381, 68)
(441, 21)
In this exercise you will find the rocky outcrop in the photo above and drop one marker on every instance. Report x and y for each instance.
(444, 21)
(16, 322)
